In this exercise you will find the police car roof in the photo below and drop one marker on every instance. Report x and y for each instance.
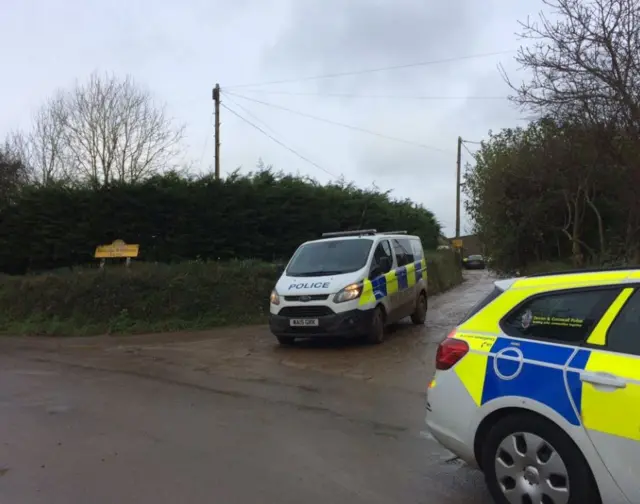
(580, 277)
(586, 270)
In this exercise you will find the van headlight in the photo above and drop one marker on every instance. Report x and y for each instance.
(349, 293)
(274, 298)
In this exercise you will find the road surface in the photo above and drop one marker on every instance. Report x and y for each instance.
(229, 417)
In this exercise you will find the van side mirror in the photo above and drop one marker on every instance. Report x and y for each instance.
(280, 269)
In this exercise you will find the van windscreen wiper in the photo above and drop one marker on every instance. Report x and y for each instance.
(315, 273)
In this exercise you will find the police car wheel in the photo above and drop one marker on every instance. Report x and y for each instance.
(420, 314)
(527, 458)
(376, 331)
(286, 340)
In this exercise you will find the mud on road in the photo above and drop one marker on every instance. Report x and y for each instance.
(375, 394)
(403, 361)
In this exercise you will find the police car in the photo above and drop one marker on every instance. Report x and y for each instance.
(348, 284)
(539, 387)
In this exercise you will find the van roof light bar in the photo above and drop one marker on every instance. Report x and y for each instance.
(357, 232)
(394, 232)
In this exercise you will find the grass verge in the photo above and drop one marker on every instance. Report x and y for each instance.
(149, 298)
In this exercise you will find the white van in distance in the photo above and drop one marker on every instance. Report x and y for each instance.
(350, 284)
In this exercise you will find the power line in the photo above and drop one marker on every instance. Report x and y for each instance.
(472, 142)
(278, 141)
(343, 125)
(387, 97)
(250, 114)
(468, 150)
(373, 70)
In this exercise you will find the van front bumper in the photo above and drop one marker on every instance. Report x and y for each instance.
(347, 324)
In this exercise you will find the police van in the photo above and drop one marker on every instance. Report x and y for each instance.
(350, 284)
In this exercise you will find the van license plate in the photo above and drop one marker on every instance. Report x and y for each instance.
(304, 322)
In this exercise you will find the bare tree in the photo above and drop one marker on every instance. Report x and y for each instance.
(114, 131)
(42, 149)
(105, 130)
(585, 61)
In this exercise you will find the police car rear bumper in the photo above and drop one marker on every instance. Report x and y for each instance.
(347, 324)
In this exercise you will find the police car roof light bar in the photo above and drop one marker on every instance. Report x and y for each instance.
(393, 232)
(357, 232)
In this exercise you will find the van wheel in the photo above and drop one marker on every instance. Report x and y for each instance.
(286, 340)
(419, 316)
(376, 330)
(527, 458)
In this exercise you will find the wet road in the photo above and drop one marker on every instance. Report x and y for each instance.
(229, 417)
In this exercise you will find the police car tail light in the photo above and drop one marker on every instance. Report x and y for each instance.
(449, 352)
(349, 293)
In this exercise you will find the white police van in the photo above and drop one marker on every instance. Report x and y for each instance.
(348, 284)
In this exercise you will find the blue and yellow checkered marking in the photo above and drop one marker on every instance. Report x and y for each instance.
(396, 280)
(541, 378)
(550, 372)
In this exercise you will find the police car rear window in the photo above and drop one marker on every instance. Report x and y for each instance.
(559, 316)
(481, 304)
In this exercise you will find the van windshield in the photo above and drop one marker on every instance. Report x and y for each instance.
(332, 257)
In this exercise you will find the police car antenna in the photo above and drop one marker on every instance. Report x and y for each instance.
(357, 232)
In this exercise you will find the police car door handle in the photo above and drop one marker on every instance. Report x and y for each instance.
(603, 379)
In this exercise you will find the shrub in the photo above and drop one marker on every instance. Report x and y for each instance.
(173, 219)
(142, 298)
(444, 271)
(151, 297)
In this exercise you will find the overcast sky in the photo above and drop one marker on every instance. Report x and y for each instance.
(180, 50)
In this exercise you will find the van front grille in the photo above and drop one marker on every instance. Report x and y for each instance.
(304, 299)
(305, 311)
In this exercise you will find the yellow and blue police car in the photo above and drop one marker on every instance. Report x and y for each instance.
(350, 283)
(539, 387)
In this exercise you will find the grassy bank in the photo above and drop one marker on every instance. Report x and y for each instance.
(154, 297)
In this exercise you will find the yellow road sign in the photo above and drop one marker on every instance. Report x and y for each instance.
(456, 242)
(116, 249)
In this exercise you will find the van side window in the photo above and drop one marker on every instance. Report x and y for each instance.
(416, 246)
(624, 334)
(404, 252)
(382, 250)
(566, 317)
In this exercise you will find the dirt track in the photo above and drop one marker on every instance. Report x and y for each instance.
(224, 415)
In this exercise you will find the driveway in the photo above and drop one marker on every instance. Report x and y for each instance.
(229, 416)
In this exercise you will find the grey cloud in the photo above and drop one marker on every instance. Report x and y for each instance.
(423, 177)
(334, 35)
(179, 50)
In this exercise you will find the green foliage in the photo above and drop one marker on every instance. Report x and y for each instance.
(142, 298)
(264, 215)
(444, 270)
(154, 297)
(556, 192)
(13, 173)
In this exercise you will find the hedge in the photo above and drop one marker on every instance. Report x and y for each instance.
(154, 297)
(173, 219)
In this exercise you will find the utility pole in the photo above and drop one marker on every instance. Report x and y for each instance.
(458, 169)
(216, 100)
